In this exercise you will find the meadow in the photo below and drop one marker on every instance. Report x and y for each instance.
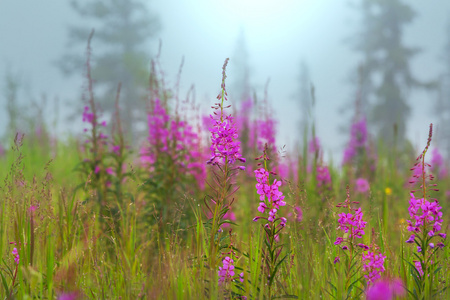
(211, 207)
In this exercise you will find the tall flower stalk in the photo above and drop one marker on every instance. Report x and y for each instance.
(360, 260)
(425, 226)
(225, 153)
(271, 199)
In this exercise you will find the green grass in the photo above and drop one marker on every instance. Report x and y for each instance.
(66, 248)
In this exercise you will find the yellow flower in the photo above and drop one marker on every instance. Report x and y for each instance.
(388, 191)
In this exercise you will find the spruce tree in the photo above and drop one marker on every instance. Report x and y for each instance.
(442, 107)
(123, 29)
(386, 63)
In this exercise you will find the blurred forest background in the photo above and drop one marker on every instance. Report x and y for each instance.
(390, 58)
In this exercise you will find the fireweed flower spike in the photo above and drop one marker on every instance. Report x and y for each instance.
(358, 140)
(350, 223)
(425, 223)
(225, 153)
(352, 226)
(172, 141)
(271, 200)
(373, 266)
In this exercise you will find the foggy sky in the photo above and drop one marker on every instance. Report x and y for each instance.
(33, 37)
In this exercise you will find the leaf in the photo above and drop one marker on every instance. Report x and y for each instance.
(333, 286)
(272, 275)
(5, 285)
(438, 292)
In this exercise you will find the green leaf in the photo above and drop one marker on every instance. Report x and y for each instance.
(5, 285)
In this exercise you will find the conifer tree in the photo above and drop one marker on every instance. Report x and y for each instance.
(123, 29)
(442, 106)
(385, 61)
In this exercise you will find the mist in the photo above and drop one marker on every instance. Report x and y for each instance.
(278, 38)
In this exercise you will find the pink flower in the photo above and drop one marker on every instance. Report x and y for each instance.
(339, 240)
(169, 137)
(423, 214)
(109, 171)
(230, 216)
(225, 145)
(358, 140)
(298, 214)
(373, 266)
(437, 161)
(347, 220)
(418, 266)
(314, 145)
(323, 177)
(15, 253)
(87, 116)
(385, 290)
(362, 185)
(116, 149)
(226, 272)
(69, 296)
(266, 132)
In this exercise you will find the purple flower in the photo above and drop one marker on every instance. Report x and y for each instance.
(362, 246)
(422, 213)
(298, 214)
(362, 185)
(385, 290)
(268, 192)
(116, 149)
(418, 266)
(262, 207)
(109, 171)
(373, 266)
(170, 137)
(336, 260)
(314, 145)
(225, 145)
(226, 272)
(411, 239)
(358, 140)
(270, 199)
(266, 132)
(347, 220)
(437, 161)
(272, 214)
(69, 296)
(339, 240)
(323, 177)
(15, 253)
(87, 116)
(440, 245)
